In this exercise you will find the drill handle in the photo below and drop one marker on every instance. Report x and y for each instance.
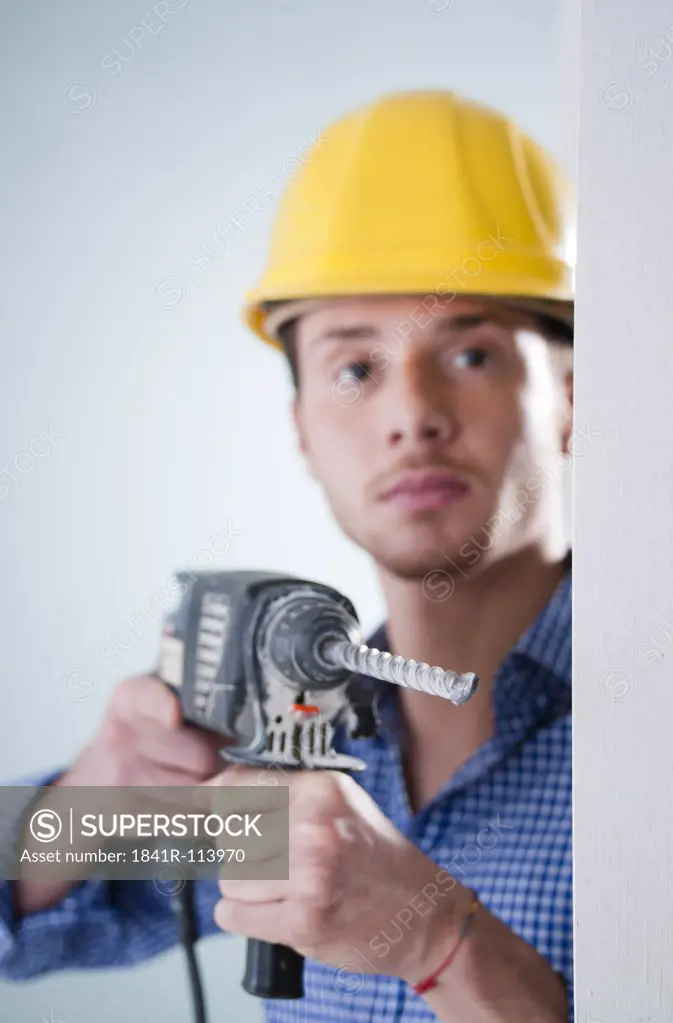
(273, 971)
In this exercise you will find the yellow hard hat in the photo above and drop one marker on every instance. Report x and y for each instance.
(419, 192)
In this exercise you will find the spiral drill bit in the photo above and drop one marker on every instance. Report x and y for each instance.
(401, 670)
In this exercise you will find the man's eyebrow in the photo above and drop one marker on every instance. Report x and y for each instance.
(464, 322)
(353, 332)
(359, 331)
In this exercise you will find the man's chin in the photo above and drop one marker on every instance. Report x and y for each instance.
(415, 561)
(410, 548)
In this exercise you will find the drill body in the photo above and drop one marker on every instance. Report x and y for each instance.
(271, 663)
(243, 650)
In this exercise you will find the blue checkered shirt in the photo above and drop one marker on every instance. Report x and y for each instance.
(501, 824)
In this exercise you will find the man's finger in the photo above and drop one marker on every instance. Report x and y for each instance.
(266, 922)
(241, 775)
(182, 750)
(254, 891)
(147, 697)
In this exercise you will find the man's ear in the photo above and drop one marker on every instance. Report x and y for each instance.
(302, 442)
(568, 411)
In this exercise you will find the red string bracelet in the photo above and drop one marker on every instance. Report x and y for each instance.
(432, 980)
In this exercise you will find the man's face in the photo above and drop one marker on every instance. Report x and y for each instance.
(423, 419)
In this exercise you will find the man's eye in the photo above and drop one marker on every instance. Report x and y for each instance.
(472, 358)
(358, 370)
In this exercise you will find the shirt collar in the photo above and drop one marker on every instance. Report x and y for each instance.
(533, 685)
(547, 640)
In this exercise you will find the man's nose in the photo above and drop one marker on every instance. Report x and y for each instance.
(419, 408)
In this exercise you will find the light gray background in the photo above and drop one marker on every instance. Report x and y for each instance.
(174, 418)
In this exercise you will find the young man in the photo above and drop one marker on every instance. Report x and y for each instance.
(417, 288)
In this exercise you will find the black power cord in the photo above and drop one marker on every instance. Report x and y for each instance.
(185, 910)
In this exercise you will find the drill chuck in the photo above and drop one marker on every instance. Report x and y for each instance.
(292, 634)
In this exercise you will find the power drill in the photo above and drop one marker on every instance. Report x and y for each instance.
(271, 661)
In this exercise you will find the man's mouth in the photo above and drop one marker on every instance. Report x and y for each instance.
(425, 490)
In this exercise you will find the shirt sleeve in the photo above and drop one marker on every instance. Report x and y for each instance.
(98, 924)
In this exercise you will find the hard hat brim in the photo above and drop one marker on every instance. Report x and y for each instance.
(267, 319)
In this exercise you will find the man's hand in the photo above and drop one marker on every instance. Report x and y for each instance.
(353, 876)
(142, 741)
(364, 899)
